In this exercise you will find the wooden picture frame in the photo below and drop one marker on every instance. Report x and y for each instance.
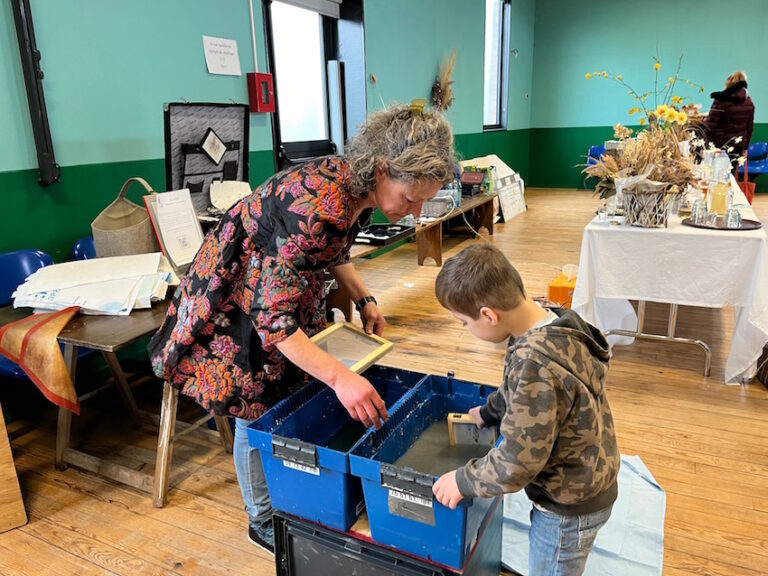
(351, 346)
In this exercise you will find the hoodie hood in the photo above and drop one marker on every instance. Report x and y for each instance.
(569, 342)
(735, 93)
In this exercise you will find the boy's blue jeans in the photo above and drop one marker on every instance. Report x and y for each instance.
(559, 545)
(250, 476)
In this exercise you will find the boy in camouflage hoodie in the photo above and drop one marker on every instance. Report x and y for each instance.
(559, 442)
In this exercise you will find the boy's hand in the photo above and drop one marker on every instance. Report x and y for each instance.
(475, 413)
(447, 491)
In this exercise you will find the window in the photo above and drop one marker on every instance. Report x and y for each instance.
(315, 51)
(495, 65)
(300, 73)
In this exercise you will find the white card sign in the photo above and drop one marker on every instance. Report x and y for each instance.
(221, 56)
(511, 192)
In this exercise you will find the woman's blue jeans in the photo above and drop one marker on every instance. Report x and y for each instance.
(250, 476)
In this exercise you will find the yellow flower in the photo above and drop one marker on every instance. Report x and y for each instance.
(618, 77)
(670, 79)
(642, 121)
(588, 76)
(677, 99)
(682, 118)
(633, 110)
(670, 115)
(656, 66)
(661, 110)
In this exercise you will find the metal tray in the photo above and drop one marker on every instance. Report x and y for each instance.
(384, 234)
(745, 225)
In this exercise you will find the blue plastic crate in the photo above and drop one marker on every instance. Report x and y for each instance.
(402, 511)
(304, 443)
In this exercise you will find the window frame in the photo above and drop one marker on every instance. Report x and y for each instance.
(503, 71)
(312, 148)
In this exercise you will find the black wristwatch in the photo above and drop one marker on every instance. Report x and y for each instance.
(360, 304)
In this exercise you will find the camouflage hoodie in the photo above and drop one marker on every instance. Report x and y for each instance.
(559, 441)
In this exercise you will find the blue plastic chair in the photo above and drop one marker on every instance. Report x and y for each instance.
(83, 249)
(757, 159)
(595, 153)
(14, 269)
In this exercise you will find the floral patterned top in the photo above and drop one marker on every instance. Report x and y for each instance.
(258, 277)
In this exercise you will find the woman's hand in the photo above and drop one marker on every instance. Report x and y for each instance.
(361, 400)
(373, 319)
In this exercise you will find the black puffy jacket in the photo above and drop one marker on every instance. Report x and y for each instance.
(732, 114)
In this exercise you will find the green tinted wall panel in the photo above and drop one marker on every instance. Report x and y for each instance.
(109, 68)
(52, 218)
(511, 146)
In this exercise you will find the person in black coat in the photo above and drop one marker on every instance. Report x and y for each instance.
(732, 114)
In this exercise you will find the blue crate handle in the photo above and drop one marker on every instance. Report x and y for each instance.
(294, 451)
(408, 481)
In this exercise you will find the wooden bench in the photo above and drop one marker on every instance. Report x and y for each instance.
(429, 237)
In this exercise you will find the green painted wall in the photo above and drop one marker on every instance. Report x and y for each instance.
(406, 40)
(109, 68)
(570, 113)
(52, 218)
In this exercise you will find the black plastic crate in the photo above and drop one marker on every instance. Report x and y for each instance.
(303, 548)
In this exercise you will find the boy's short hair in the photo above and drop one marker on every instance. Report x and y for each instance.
(480, 275)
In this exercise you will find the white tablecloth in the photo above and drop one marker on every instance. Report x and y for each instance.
(678, 265)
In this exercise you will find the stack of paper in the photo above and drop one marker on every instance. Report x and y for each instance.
(109, 286)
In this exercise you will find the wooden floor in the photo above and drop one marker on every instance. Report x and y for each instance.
(706, 443)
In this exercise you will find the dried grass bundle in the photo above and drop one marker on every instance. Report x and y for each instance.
(442, 95)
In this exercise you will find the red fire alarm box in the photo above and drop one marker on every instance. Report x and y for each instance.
(261, 92)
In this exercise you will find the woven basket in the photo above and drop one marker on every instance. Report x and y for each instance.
(647, 208)
(123, 228)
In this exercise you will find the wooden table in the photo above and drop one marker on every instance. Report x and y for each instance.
(109, 334)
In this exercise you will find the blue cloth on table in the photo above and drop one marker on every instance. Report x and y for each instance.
(630, 544)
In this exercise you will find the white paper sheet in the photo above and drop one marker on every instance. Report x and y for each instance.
(179, 228)
(226, 194)
(80, 272)
(221, 56)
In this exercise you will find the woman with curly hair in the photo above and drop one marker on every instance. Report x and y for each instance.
(236, 337)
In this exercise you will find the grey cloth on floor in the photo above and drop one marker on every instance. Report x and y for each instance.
(630, 544)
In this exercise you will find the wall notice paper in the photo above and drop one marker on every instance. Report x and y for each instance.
(109, 286)
(221, 56)
(176, 225)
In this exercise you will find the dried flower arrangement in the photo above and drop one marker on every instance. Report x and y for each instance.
(654, 167)
(654, 159)
(442, 95)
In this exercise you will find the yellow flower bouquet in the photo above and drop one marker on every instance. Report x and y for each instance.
(653, 167)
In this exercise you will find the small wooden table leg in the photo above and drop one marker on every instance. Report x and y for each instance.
(121, 382)
(484, 217)
(429, 243)
(225, 432)
(165, 444)
(64, 426)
